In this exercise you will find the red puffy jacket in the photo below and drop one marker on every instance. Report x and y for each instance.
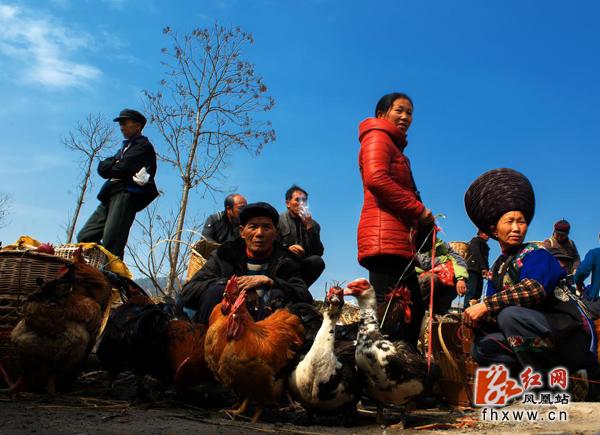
(390, 208)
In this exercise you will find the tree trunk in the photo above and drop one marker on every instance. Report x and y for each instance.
(82, 190)
(174, 251)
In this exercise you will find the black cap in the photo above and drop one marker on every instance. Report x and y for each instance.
(258, 209)
(131, 114)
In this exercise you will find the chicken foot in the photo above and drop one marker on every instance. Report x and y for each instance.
(257, 414)
(242, 408)
(13, 389)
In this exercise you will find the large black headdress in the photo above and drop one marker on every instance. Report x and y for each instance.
(497, 192)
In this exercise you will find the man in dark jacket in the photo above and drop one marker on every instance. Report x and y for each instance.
(129, 187)
(560, 244)
(224, 226)
(301, 234)
(262, 265)
(477, 266)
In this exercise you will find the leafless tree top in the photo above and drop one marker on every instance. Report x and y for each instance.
(209, 104)
(5, 208)
(90, 136)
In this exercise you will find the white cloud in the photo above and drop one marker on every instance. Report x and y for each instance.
(43, 49)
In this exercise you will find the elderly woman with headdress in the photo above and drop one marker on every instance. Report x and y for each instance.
(527, 318)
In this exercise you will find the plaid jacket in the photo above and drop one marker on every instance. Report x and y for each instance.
(527, 293)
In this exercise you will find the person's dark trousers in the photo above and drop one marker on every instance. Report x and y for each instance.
(474, 286)
(384, 274)
(527, 326)
(311, 268)
(443, 295)
(207, 301)
(110, 223)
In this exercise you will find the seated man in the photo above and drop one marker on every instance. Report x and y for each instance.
(224, 226)
(449, 274)
(300, 234)
(561, 243)
(257, 259)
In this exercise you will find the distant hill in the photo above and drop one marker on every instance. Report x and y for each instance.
(147, 285)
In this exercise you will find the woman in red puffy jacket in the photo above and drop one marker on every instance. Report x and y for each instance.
(392, 208)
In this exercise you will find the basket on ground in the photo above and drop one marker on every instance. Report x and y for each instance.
(19, 271)
(451, 345)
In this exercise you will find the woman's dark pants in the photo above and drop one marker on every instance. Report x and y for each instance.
(384, 272)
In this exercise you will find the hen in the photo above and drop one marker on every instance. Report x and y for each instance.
(326, 380)
(60, 323)
(250, 357)
(394, 372)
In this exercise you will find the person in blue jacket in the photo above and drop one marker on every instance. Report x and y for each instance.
(589, 265)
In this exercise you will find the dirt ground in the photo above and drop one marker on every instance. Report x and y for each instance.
(92, 409)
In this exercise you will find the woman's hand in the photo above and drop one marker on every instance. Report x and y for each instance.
(461, 287)
(474, 314)
(426, 217)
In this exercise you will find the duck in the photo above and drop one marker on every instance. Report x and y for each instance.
(325, 381)
(394, 372)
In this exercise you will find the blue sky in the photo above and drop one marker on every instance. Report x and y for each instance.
(495, 84)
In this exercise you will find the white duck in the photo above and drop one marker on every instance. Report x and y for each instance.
(394, 372)
(325, 381)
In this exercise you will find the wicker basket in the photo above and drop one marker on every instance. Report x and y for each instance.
(451, 344)
(199, 253)
(18, 273)
(461, 248)
(93, 256)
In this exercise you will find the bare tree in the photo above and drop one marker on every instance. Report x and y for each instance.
(208, 105)
(147, 249)
(5, 208)
(89, 138)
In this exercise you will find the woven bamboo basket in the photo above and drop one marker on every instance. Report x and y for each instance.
(462, 248)
(199, 254)
(451, 346)
(93, 256)
(18, 273)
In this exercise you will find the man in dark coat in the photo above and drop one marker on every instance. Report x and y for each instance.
(477, 266)
(560, 243)
(129, 187)
(262, 265)
(301, 234)
(224, 226)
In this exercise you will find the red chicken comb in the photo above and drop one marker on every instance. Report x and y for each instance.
(45, 248)
(78, 255)
(358, 286)
(335, 291)
(232, 286)
(239, 302)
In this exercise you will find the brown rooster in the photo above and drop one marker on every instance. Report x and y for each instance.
(186, 353)
(250, 357)
(60, 324)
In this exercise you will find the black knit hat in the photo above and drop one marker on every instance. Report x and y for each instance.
(259, 209)
(497, 192)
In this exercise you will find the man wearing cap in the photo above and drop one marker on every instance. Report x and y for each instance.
(129, 187)
(560, 244)
(263, 266)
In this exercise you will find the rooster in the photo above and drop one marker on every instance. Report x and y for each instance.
(326, 380)
(136, 338)
(250, 357)
(394, 372)
(186, 354)
(60, 323)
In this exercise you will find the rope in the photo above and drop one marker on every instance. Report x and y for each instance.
(414, 257)
(431, 289)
